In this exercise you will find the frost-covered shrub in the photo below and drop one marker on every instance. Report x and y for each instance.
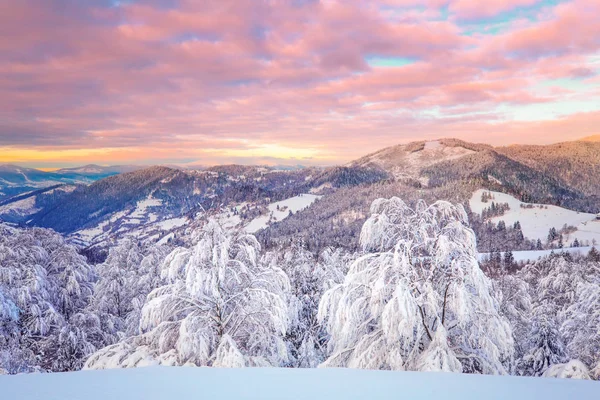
(574, 369)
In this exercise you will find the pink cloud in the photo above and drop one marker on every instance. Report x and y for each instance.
(227, 73)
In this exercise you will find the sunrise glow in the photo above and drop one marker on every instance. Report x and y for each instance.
(289, 82)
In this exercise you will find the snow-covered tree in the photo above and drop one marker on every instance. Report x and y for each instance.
(516, 305)
(595, 373)
(418, 298)
(569, 290)
(545, 344)
(309, 279)
(44, 286)
(574, 369)
(581, 325)
(220, 307)
(128, 275)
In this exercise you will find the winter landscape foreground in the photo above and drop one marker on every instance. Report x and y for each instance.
(164, 383)
(316, 276)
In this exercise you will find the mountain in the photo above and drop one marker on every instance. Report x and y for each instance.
(19, 209)
(406, 161)
(155, 203)
(594, 138)
(95, 171)
(15, 180)
(573, 164)
(562, 174)
(447, 169)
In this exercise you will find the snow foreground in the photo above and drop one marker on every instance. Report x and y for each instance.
(158, 383)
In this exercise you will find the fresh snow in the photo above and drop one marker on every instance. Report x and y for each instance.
(433, 145)
(158, 383)
(21, 207)
(165, 239)
(537, 221)
(169, 224)
(293, 204)
(532, 255)
(91, 233)
(142, 206)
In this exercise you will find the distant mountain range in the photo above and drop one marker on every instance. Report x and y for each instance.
(94, 203)
(15, 180)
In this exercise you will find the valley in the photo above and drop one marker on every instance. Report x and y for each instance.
(161, 204)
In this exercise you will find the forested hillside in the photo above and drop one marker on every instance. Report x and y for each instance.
(574, 164)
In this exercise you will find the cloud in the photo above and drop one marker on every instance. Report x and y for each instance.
(173, 81)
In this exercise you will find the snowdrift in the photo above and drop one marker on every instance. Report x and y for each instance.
(158, 383)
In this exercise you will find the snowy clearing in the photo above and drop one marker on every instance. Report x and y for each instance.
(142, 207)
(281, 210)
(20, 207)
(157, 383)
(532, 255)
(169, 224)
(540, 218)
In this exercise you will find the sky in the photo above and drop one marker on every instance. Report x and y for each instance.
(289, 82)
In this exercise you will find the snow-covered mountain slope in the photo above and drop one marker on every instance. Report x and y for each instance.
(565, 174)
(537, 219)
(93, 170)
(158, 193)
(20, 208)
(532, 255)
(576, 164)
(162, 383)
(406, 161)
(147, 221)
(280, 210)
(15, 180)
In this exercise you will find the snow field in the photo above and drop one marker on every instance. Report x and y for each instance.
(281, 210)
(174, 383)
(537, 221)
(532, 255)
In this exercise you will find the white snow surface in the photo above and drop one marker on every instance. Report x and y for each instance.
(532, 255)
(294, 204)
(537, 221)
(21, 207)
(158, 383)
(433, 145)
(142, 206)
(168, 224)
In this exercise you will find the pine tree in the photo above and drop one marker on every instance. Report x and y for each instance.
(509, 260)
(546, 347)
(594, 255)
